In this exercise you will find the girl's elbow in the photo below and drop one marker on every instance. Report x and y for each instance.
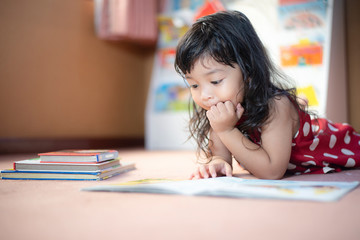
(274, 177)
(270, 175)
(273, 171)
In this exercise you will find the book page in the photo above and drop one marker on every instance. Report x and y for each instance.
(243, 188)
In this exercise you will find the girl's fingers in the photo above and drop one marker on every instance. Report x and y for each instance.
(212, 171)
(195, 175)
(215, 110)
(228, 170)
(221, 107)
(229, 106)
(203, 171)
(239, 110)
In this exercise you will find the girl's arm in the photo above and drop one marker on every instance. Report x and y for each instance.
(218, 149)
(271, 159)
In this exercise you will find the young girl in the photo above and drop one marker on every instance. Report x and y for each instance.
(242, 111)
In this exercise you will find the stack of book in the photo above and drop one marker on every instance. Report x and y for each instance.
(69, 165)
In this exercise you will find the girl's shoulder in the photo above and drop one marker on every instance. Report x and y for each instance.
(284, 109)
(283, 105)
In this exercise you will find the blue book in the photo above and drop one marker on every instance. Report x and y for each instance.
(66, 175)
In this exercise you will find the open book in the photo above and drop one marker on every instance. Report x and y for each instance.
(239, 188)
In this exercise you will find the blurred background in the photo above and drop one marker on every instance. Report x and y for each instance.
(88, 74)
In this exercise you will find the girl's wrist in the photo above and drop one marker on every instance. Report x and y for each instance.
(215, 159)
(227, 132)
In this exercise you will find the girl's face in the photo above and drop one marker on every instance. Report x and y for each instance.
(212, 82)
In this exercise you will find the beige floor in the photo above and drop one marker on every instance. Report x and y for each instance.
(59, 210)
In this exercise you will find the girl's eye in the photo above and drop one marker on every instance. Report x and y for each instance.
(216, 82)
(194, 86)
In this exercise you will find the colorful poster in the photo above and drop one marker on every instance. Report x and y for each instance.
(304, 48)
(306, 19)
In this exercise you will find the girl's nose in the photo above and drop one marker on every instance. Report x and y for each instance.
(206, 95)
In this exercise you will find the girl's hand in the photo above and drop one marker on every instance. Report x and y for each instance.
(224, 116)
(217, 167)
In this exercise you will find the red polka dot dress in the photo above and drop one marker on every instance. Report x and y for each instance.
(321, 146)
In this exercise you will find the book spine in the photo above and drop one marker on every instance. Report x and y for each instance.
(52, 172)
(70, 179)
(79, 163)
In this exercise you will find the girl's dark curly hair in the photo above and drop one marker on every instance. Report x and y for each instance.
(229, 38)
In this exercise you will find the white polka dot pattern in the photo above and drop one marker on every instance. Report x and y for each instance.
(347, 138)
(332, 141)
(327, 169)
(321, 146)
(315, 128)
(308, 163)
(291, 166)
(306, 129)
(296, 134)
(314, 144)
(347, 151)
(350, 163)
(324, 147)
(332, 128)
(330, 155)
